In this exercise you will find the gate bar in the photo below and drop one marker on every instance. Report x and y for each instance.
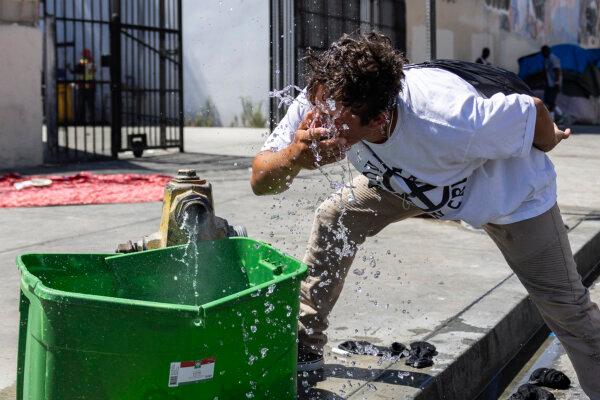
(115, 77)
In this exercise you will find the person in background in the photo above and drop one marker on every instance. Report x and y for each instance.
(485, 53)
(85, 81)
(553, 78)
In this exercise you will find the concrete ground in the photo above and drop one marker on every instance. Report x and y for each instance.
(417, 280)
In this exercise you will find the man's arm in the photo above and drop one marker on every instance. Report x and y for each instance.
(273, 172)
(546, 135)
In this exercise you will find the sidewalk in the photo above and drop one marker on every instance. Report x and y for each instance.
(422, 280)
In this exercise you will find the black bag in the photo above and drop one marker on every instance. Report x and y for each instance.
(487, 79)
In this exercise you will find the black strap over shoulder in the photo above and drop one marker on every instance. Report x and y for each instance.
(487, 79)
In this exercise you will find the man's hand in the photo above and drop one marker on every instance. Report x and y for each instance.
(547, 135)
(560, 135)
(314, 145)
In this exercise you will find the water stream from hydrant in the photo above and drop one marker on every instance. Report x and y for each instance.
(192, 226)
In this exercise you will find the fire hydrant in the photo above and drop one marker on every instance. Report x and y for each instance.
(187, 205)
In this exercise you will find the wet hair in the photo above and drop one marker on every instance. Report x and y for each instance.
(363, 72)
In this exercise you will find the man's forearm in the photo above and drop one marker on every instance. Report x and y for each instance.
(272, 172)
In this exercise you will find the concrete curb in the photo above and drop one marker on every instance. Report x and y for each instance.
(512, 320)
(475, 344)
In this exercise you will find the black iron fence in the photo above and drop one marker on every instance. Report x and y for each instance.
(297, 26)
(113, 77)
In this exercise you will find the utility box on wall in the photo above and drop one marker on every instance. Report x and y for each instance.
(19, 11)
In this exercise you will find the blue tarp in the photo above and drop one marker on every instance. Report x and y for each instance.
(595, 55)
(572, 58)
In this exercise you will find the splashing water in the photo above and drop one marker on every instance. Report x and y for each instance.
(191, 225)
(342, 186)
(285, 96)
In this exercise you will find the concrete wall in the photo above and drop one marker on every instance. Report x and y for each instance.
(466, 26)
(226, 55)
(20, 96)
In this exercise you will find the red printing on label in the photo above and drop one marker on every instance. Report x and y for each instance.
(185, 364)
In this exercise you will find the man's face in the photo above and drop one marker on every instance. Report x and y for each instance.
(338, 119)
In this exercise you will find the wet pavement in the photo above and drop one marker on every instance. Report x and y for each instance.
(423, 279)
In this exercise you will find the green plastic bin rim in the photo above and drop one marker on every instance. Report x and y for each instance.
(32, 284)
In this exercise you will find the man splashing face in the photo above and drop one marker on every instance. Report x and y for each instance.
(435, 138)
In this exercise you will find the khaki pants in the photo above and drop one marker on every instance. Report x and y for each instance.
(536, 249)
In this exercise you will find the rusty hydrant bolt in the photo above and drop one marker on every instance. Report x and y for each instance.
(187, 174)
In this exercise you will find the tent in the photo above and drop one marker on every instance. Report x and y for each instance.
(580, 92)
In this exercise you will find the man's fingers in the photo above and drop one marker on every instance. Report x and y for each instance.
(562, 135)
(307, 121)
(337, 144)
(332, 150)
(311, 134)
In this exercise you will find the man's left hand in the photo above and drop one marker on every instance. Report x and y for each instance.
(546, 135)
(560, 135)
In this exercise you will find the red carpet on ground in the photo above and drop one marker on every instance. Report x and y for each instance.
(82, 188)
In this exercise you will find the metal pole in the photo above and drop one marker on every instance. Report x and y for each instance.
(162, 74)
(180, 72)
(115, 79)
(431, 29)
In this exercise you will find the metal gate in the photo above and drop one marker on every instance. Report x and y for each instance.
(316, 24)
(113, 77)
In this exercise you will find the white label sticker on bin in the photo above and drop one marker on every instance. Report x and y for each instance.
(183, 372)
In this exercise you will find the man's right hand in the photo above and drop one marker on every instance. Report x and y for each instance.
(313, 145)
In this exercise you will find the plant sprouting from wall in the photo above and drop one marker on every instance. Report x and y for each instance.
(207, 116)
(251, 116)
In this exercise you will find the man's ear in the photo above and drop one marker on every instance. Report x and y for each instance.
(379, 121)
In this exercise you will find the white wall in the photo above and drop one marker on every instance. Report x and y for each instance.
(466, 26)
(20, 96)
(226, 54)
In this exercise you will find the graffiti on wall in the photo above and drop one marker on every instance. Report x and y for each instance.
(590, 23)
(550, 21)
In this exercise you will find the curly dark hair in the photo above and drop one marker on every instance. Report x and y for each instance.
(363, 72)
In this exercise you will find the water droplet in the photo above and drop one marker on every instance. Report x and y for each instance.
(268, 307)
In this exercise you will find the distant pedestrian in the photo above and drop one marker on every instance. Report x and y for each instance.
(553, 78)
(85, 79)
(485, 53)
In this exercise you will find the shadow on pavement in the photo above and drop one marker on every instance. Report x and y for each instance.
(167, 163)
(307, 383)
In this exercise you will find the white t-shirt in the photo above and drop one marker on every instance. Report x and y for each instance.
(453, 153)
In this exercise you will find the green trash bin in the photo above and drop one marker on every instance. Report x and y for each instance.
(212, 321)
